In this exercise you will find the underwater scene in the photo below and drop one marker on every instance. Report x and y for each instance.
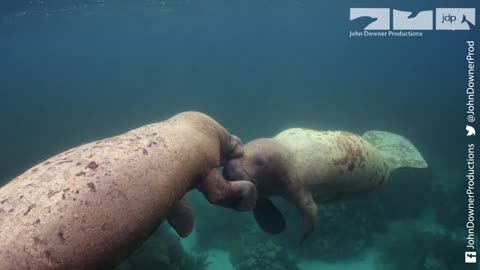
(364, 162)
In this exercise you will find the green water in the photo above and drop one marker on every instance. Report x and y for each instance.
(71, 73)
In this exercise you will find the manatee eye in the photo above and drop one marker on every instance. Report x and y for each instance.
(259, 161)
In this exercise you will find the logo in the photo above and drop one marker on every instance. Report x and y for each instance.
(470, 130)
(375, 18)
(408, 23)
(455, 18)
(471, 257)
(406, 20)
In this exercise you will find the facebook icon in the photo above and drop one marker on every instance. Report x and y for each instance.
(470, 257)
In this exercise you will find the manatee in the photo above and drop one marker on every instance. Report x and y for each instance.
(91, 206)
(308, 167)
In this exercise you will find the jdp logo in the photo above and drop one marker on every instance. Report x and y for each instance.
(446, 19)
(455, 18)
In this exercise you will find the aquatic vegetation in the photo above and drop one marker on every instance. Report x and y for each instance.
(408, 246)
(226, 225)
(164, 251)
(344, 230)
(263, 256)
(414, 182)
(195, 262)
(445, 199)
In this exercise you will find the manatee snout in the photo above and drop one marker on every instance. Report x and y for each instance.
(233, 170)
(254, 164)
(233, 148)
(241, 184)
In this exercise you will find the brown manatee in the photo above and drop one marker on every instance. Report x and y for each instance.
(307, 167)
(91, 206)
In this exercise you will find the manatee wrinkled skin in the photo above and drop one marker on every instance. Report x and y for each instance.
(91, 206)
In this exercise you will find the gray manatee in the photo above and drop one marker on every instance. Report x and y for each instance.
(91, 206)
(307, 167)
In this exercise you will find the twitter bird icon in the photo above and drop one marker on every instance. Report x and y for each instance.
(470, 131)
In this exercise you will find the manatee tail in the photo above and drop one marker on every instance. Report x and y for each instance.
(397, 151)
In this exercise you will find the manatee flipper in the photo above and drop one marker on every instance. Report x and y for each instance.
(308, 208)
(240, 195)
(397, 151)
(268, 216)
(180, 218)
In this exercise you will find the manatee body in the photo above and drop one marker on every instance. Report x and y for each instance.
(90, 206)
(307, 167)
